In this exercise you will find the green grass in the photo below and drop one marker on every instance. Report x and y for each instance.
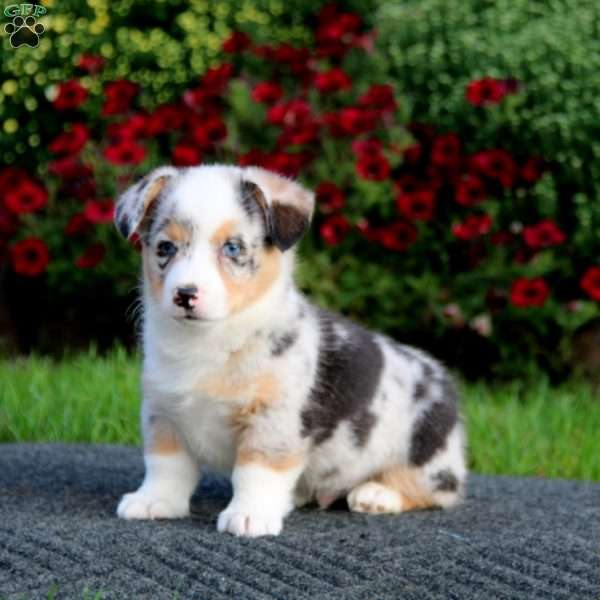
(523, 428)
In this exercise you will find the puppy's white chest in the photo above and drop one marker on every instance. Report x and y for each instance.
(205, 425)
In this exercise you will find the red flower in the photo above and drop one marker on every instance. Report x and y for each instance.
(543, 235)
(532, 170)
(215, 79)
(496, 164)
(379, 98)
(165, 118)
(488, 90)
(337, 32)
(334, 80)
(299, 135)
(118, 96)
(334, 229)
(529, 292)
(30, 257)
(11, 177)
(210, 132)
(99, 211)
(71, 94)
(72, 141)
(125, 153)
(91, 257)
(289, 114)
(27, 197)
(417, 206)
(185, 155)
(501, 238)
(253, 158)
(413, 154)
(399, 236)
(285, 163)
(92, 63)
(473, 227)
(68, 168)
(77, 224)
(330, 197)
(238, 41)
(374, 167)
(351, 121)
(590, 283)
(267, 92)
(446, 151)
(8, 223)
(132, 128)
(470, 190)
(366, 147)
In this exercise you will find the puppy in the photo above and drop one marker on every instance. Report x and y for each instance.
(243, 374)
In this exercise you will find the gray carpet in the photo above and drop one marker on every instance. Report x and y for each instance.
(59, 537)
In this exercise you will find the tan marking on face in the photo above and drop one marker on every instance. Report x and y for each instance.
(243, 292)
(161, 439)
(223, 233)
(408, 482)
(275, 462)
(177, 232)
(151, 277)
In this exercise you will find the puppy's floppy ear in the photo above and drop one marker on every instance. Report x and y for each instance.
(286, 206)
(135, 203)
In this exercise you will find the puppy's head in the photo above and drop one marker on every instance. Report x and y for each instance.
(213, 237)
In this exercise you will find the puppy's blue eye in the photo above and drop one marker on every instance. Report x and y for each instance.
(166, 249)
(231, 249)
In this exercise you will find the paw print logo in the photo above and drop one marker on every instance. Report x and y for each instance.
(24, 32)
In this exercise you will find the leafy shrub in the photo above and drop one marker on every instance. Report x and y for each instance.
(440, 237)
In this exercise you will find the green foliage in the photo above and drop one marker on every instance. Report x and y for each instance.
(526, 428)
(550, 47)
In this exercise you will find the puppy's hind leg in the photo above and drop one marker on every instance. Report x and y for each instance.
(438, 483)
(170, 479)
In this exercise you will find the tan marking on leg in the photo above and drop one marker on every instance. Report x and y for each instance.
(161, 438)
(276, 462)
(408, 483)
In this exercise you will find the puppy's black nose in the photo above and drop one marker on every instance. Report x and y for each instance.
(186, 297)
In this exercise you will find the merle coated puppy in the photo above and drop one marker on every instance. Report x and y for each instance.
(243, 374)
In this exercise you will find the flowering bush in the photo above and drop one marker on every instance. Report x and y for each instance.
(431, 234)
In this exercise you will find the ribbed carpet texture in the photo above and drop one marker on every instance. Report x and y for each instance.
(60, 538)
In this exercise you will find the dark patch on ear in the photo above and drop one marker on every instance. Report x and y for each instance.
(432, 428)
(288, 225)
(420, 391)
(280, 343)
(121, 221)
(348, 374)
(445, 481)
(255, 204)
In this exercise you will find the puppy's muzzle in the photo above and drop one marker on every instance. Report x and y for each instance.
(186, 297)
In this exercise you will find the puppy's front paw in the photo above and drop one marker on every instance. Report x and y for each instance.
(248, 523)
(372, 497)
(144, 505)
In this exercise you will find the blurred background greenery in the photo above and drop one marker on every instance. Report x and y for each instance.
(453, 293)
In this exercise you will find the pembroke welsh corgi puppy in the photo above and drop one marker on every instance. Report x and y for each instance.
(243, 374)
